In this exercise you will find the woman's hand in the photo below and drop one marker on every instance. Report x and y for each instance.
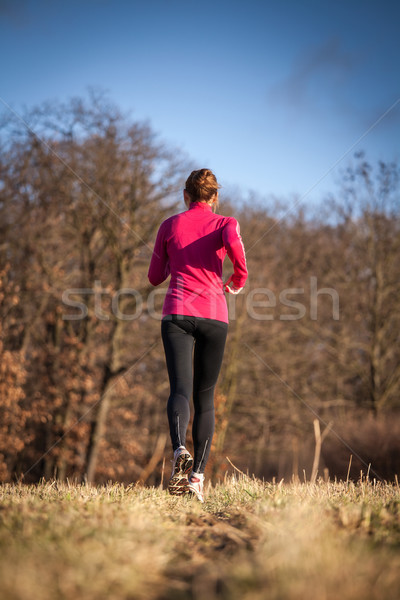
(230, 288)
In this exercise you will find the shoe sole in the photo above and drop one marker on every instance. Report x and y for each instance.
(178, 484)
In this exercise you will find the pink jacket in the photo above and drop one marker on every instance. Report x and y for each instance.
(191, 246)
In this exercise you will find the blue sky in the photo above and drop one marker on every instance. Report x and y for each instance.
(270, 95)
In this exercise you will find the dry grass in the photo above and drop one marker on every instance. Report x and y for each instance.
(251, 540)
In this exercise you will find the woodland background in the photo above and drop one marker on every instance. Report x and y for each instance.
(315, 332)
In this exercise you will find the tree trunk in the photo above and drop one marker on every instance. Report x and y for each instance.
(96, 434)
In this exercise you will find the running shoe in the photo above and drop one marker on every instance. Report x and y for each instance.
(181, 467)
(196, 487)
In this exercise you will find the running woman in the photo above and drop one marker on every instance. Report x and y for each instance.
(191, 247)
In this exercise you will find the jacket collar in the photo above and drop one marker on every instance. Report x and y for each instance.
(200, 206)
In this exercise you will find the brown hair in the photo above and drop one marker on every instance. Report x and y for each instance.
(201, 185)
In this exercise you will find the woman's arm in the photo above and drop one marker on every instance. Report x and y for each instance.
(235, 249)
(159, 264)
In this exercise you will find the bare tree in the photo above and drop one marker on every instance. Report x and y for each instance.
(82, 197)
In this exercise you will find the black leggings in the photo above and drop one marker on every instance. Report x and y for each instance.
(199, 372)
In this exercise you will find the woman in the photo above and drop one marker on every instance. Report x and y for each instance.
(191, 247)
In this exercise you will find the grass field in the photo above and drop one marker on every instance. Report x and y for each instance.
(250, 540)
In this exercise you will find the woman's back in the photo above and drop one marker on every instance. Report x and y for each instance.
(191, 246)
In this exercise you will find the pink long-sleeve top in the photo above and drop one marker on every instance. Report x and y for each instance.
(191, 247)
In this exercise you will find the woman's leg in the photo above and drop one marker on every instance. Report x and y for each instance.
(178, 346)
(209, 348)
